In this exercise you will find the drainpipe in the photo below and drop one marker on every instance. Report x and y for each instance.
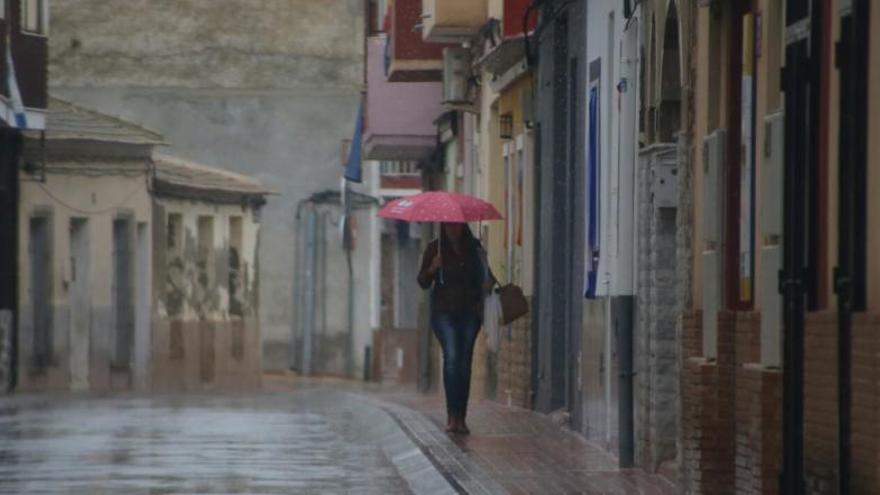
(309, 292)
(296, 323)
(350, 351)
(348, 242)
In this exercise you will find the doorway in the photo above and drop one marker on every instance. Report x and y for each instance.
(123, 291)
(850, 275)
(80, 305)
(801, 84)
(40, 246)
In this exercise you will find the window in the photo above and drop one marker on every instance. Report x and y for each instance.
(235, 274)
(399, 168)
(174, 234)
(205, 244)
(34, 16)
(40, 247)
(123, 290)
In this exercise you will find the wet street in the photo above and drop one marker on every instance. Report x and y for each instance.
(307, 441)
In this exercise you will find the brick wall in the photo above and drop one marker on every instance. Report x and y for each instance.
(758, 398)
(865, 472)
(725, 441)
(820, 402)
(731, 410)
(703, 438)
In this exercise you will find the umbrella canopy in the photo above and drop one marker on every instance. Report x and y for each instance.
(440, 206)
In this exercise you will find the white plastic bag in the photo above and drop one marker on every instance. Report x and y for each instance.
(491, 316)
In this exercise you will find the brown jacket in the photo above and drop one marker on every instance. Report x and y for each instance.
(462, 287)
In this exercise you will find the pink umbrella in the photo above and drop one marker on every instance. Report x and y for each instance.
(440, 206)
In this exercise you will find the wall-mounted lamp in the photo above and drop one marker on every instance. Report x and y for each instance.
(505, 125)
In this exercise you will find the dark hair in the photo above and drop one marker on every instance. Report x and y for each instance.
(471, 246)
(469, 241)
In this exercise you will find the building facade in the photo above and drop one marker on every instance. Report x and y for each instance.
(84, 232)
(124, 281)
(702, 197)
(781, 322)
(205, 267)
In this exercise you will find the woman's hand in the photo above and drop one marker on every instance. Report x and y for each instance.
(436, 263)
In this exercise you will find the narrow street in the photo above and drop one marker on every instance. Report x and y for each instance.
(315, 441)
(440, 247)
(295, 437)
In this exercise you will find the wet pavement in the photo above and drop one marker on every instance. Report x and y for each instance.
(308, 441)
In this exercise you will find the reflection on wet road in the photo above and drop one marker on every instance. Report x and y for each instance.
(303, 442)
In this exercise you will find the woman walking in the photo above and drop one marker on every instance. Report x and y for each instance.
(455, 270)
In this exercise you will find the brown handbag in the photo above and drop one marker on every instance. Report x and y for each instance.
(513, 303)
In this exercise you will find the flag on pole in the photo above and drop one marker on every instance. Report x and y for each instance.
(20, 117)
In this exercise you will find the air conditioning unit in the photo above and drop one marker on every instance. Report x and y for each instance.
(712, 253)
(456, 72)
(770, 242)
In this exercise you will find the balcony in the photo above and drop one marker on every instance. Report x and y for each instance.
(399, 179)
(451, 21)
(410, 58)
(399, 116)
(505, 43)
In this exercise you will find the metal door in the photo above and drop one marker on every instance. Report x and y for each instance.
(800, 84)
(849, 276)
(41, 289)
(80, 305)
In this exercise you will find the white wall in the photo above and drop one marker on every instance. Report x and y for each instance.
(606, 39)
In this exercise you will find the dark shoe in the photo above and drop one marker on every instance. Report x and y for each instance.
(451, 424)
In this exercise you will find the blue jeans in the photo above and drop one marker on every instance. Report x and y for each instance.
(457, 333)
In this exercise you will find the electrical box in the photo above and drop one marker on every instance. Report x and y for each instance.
(713, 188)
(664, 177)
(712, 294)
(712, 252)
(771, 306)
(770, 226)
(456, 72)
(770, 179)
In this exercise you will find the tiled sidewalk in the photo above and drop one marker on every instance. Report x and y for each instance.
(509, 450)
(515, 451)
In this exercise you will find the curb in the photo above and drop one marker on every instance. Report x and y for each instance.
(463, 475)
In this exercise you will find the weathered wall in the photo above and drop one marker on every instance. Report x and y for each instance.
(266, 88)
(874, 158)
(112, 189)
(330, 337)
(206, 296)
